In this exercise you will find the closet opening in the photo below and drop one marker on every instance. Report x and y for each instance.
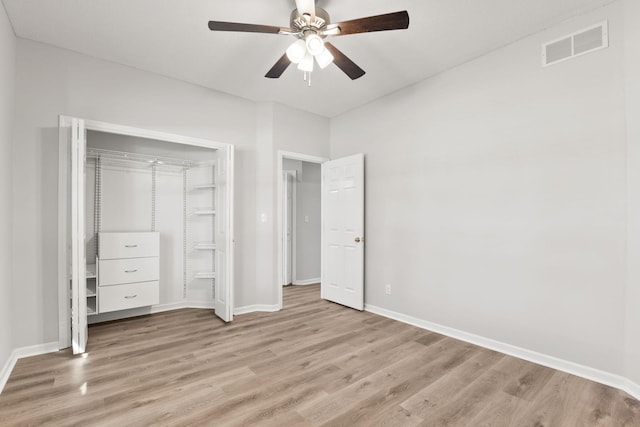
(146, 223)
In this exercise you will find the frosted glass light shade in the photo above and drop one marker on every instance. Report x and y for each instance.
(324, 58)
(297, 51)
(307, 63)
(315, 44)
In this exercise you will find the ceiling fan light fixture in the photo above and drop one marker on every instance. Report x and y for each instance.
(297, 51)
(315, 44)
(324, 58)
(306, 64)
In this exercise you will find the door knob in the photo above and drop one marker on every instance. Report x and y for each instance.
(358, 240)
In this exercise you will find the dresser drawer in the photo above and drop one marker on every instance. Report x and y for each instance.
(131, 295)
(119, 271)
(128, 245)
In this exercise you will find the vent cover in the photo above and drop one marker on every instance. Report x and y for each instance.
(576, 44)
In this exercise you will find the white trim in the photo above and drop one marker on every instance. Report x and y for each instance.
(573, 368)
(306, 282)
(256, 308)
(231, 238)
(293, 260)
(5, 373)
(632, 388)
(64, 325)
(280, 225)
(198, 304)
(151, 134)
(19, 353)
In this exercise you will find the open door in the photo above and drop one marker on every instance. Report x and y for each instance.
(343, 231)
(223, 298)
(78, 147)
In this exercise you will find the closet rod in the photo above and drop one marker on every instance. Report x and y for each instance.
(137, 157)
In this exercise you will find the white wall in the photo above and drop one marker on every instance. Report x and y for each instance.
(52, 81)
(7, 93)
(632, 74)
(495, 197)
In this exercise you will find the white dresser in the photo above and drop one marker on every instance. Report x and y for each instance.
(128, 270)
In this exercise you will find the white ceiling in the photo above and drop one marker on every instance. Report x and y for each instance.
(171, 38)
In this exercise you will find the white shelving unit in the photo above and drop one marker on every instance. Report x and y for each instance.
(204, 186)
(204, 246)
(201, 225)
(206, 211)
(92, 290)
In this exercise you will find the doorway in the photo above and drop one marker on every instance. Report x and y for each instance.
(299, 220)
(289, 178)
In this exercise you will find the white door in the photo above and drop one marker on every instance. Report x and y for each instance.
(79, 328)
(288, 228)
(223, 298)
(343, 231)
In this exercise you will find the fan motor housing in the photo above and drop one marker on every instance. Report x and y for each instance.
(320, 13)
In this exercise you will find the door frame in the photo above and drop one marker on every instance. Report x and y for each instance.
(280, 255)
(64, 310)
(294, 175)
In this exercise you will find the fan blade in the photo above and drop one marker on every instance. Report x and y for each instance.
(344, 63)
(246, 28)
(279, 67)
(389, 21)
(306, 7)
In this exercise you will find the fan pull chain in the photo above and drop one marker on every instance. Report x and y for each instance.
(307, 77)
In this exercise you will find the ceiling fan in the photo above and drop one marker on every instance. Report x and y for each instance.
(310, 25)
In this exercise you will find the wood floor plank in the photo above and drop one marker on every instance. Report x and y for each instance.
(313, 363)
(440, 392)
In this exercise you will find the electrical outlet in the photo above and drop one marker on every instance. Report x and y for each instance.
(387, 289)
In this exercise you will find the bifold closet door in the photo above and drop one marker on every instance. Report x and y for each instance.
(223, 298)
(78, 148)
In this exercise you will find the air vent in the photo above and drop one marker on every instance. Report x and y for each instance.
(576, 44)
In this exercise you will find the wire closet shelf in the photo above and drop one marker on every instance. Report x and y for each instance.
(137, 159)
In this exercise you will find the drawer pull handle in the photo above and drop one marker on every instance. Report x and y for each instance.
(130, 246)
(130, 271)
(130, 296)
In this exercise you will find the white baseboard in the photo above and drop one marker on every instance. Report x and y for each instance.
(632, 388)
(583, 371)
(255, 308)
(306, 282)
(198, 304)
(19, 353)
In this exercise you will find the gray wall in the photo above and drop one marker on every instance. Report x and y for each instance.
(7, 82)
(496, 197)
(307, 234)
(632, 73)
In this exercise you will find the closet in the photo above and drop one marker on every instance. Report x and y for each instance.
(145, 225)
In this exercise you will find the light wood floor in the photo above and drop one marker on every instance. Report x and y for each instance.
(314, 363)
